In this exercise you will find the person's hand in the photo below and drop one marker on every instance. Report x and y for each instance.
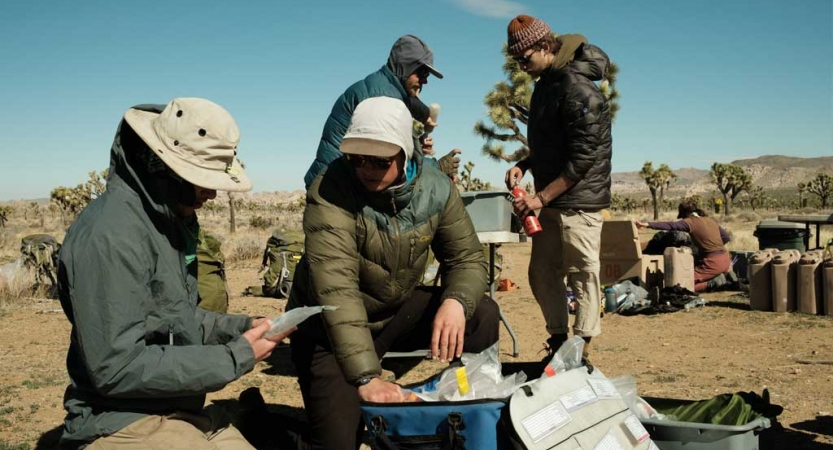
(450, 163)
(428, 145)
(256, 321)
(448, 334)
(379, 391)
(526, 205)
(431, 123)
(261, 346)
(513, 177)
(640, 224)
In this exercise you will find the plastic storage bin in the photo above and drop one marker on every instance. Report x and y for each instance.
(760, 280)
(679, 267)
(784, 273)
(489, 210)
(780, 235)
(674, 435)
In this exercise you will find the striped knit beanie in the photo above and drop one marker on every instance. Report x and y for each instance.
(524, 31)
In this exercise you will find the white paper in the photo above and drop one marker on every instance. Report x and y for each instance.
(546, 421)
(294, 317)
(609, 442)
(653, 446)
(578, 398)
(636, 429)
(604, 388)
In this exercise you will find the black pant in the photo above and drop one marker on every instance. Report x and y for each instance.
(332, 404)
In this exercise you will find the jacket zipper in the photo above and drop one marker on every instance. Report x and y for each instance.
(395, 225)
(171, 334)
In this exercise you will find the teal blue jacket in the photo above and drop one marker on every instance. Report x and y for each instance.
(382, 83)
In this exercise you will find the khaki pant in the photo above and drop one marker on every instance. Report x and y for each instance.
(174, 432)
(567, 251)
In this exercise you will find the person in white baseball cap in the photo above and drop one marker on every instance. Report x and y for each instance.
(142, 354)
(371, 218)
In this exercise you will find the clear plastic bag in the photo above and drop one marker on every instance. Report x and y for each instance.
(480, 377)
(294, 317)
(627, 293)
(626, 385)
(567, 357)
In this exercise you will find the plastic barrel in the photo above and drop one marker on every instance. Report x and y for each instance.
(809, 294)
(760, 281)
(679, 267)
(784, 267)
(828, 287)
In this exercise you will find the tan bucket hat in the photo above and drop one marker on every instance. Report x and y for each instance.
(197, 139)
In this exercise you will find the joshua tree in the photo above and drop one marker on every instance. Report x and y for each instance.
(5, 212)
(802, 188)
(731, 180)
(657, 180)
(821, 185)
(508, 105)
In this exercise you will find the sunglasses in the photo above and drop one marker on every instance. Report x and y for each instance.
(523, 59)
(422, 72)
(372, 161)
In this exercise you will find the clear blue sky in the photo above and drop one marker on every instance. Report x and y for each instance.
(701, 81)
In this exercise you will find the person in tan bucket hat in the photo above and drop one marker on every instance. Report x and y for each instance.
(142, 354)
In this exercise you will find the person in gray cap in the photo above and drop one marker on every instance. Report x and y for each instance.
(142, 355)
(409, 65)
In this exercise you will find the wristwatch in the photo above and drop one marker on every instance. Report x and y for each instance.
(364, 380)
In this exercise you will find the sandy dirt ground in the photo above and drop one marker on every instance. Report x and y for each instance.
(722, 347)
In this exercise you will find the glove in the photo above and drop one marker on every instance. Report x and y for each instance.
(450, 163)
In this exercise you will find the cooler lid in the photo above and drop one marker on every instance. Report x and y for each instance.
(777, 224)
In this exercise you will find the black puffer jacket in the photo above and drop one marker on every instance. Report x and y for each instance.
(569, 131)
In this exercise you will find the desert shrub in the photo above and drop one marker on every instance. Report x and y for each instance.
(243, 246)
(20, 289)
(260, 222)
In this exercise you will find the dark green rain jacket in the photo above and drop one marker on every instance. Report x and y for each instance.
(366, 253)
(139, 344)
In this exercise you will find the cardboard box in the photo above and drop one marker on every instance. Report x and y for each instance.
(621, 256)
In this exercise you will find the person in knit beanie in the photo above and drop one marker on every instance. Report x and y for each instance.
(570, 149)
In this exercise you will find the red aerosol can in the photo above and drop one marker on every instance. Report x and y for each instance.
(531, 224)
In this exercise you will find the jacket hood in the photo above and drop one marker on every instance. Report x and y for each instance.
(133, 166)
(590, 61)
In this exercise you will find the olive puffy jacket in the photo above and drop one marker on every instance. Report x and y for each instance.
(365, 253)
(569, 131)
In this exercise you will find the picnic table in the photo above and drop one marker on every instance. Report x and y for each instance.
(807, 220)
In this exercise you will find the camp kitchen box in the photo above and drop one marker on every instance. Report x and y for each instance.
(621, 256)
(489, 210)
(673, 435)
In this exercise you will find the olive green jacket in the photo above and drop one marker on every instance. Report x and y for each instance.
(365, 254)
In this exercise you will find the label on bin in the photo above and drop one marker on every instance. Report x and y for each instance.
(546, 421)
(604, 388)
(578, 398)
(636, 429)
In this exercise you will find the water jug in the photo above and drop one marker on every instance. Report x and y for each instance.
(809, 296)
(784, 268)
(679, 267)
(760, 281)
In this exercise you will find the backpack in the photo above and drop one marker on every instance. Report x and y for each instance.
(40, 253)
(211, 275)
(279, 261)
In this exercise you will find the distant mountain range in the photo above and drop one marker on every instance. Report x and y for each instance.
(770, 171)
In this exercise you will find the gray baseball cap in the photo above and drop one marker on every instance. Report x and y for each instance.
(408, 54)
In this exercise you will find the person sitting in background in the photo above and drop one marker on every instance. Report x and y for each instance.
(706, 235)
